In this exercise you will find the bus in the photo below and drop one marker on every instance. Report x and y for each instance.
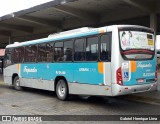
(107, 61)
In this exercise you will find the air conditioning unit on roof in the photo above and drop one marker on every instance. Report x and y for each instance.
(74, 31)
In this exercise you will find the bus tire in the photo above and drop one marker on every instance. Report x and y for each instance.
(62, 90)
(16, 83)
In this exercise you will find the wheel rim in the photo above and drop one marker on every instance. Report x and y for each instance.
(17, 83)
(61, 89)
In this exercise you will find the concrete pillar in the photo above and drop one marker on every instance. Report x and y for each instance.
(153, 22)
(2, 65)
(153, 25)
(9, 40)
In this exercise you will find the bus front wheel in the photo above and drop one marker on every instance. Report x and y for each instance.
(62, 90)
(16, 83)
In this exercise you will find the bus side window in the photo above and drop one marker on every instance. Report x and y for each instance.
(34, 53)
(21, 54)
(105, 47)
(68, 47)
(8, 57)
(49, 52)
(79, 54)
(31, 53)
(58, 51)
(27, 53)
(92, 48)
(41, 52)
(15, 55)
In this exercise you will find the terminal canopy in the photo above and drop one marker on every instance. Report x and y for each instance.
(61, 15)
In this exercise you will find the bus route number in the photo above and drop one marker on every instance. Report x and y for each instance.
(60, 72)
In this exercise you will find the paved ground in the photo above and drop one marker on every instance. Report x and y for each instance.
(1, 78)
(38, 102)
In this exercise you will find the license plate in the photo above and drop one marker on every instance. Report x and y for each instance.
(140, 80)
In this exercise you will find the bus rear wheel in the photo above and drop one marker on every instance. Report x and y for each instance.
(62, 90)
(16, 83)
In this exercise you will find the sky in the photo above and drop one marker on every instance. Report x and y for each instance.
(10, 6)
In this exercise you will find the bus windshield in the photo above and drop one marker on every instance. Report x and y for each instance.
(136, 44)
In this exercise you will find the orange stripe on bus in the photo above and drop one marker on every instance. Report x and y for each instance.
(133, 66)
(101, 31)
(18, 67)
(100, 67)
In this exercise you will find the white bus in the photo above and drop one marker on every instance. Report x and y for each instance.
(107, 61)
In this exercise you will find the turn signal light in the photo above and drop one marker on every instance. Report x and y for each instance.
(119, 76)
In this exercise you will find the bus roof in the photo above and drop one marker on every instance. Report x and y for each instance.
(71, 34)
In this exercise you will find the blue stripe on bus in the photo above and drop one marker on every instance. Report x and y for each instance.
(82, 72)
(145, 73)
(74, 72)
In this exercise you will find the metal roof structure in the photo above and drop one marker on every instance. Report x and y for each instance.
(61, 15)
